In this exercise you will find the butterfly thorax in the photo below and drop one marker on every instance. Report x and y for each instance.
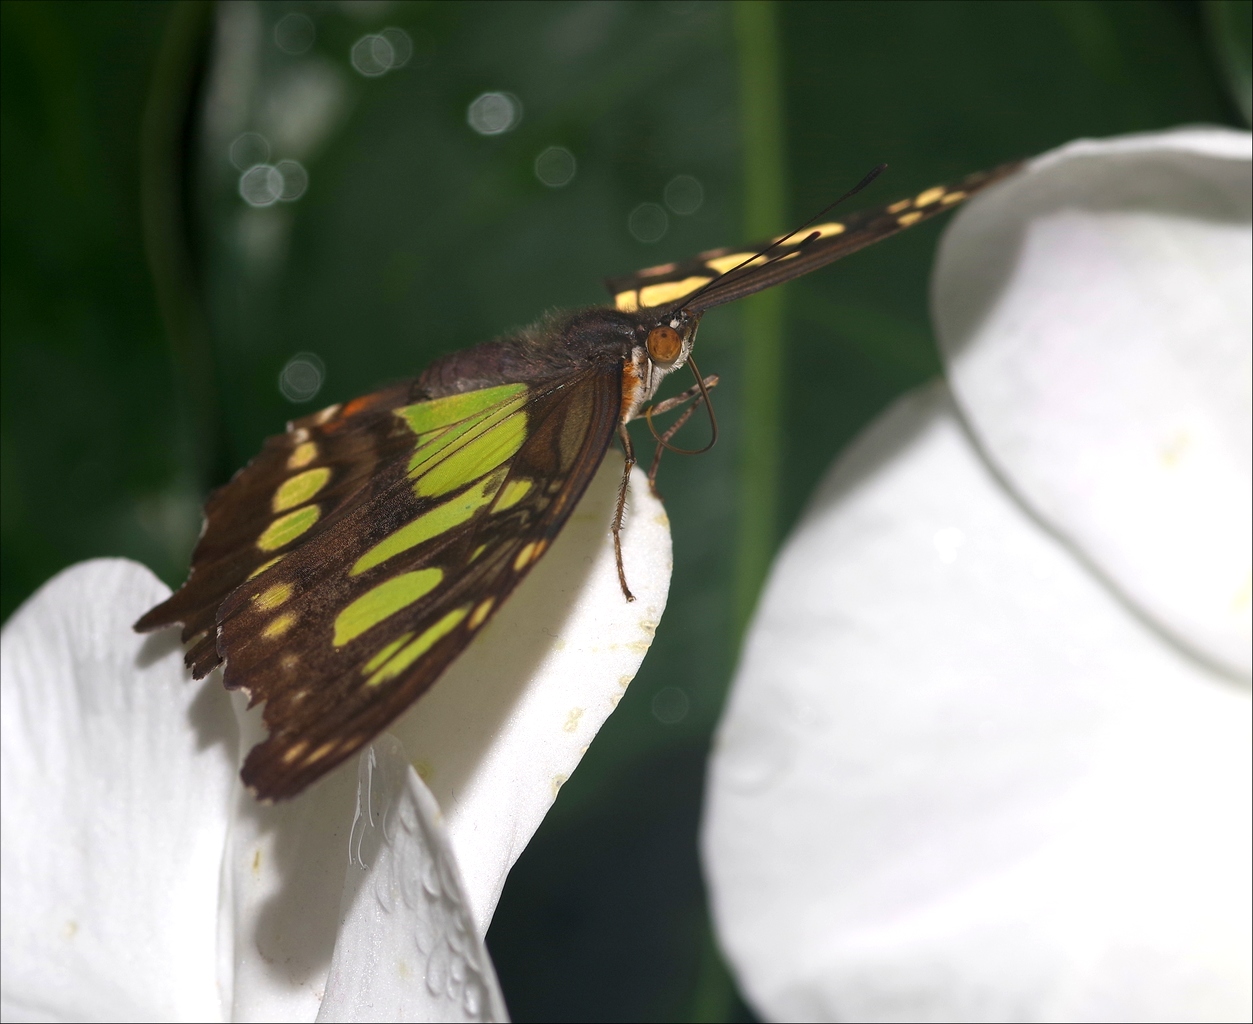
(563, 343)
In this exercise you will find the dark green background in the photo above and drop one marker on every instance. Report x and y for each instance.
(147, 311)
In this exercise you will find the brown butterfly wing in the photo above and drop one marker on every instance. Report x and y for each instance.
(344, 444)
(333, 678)
(714, 276)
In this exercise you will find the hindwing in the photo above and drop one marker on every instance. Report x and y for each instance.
(292, 492)
(340, 610)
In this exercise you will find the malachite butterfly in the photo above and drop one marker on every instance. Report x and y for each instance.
(343, 569)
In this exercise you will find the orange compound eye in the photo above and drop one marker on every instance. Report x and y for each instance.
(664, 345)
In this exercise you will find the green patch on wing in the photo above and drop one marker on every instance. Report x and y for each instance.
(387, 652)
(382, 602)
(423, 417)
(286, 529)
(408, 655)
(300, 488)
(430, 524)
(513, 493)
(464, 437)
(496, 442)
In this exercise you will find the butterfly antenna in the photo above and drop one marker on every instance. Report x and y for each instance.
(874, 173)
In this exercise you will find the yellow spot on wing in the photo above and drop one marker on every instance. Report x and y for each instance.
(300, 488)
(286, 529)
(627, 301)
(431, 524)
(481, 612)
(383, 601)
(721, 264)
(529, 554)
(494, 446)
(295, 751)
(302, 455)
(477, 551)
(724, 263)
(823, 230)
(514, 492)
(524, 557)
(928, 197)
(418, 647)
(909, 218)
(572, 719)
(656, 294)
(898, 207)
(321, 752)
(279, 626)
(270, 599)
(953, 197)
(326, 414)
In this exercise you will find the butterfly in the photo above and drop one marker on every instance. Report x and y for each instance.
(345, 567)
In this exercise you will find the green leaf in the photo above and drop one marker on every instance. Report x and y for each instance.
(1229, 24)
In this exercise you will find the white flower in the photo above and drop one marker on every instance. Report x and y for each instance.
(141, 882)
(987, 756)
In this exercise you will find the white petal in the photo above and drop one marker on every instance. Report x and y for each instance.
(507, 725)
(1095, 314)
(959, 780)
(495, 737)
(117, 771)
(408, 948)
(282, 885)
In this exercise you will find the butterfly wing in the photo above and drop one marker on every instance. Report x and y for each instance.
(368, 606)
(269, 506)
(719, 277)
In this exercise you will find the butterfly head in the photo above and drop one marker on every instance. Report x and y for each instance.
(670, 338)
(662, 343)
(665, 346)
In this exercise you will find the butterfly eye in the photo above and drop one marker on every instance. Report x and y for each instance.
(664, 345)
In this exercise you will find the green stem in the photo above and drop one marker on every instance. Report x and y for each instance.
(1227, 23)
(761, 112)
(761, 119)
(164, 179)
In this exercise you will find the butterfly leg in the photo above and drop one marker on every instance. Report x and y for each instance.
(663, 440)
(628, 450)
(667, 404)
